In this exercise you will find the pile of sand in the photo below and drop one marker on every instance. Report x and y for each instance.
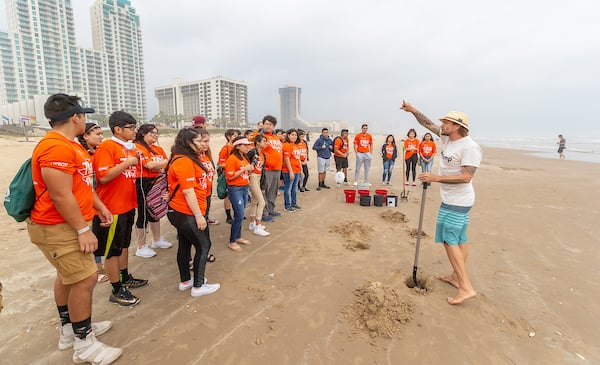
(356, 233)
(393, 216)
(379, 310)
(414, 232)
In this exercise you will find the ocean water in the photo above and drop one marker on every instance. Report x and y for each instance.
(578, 148)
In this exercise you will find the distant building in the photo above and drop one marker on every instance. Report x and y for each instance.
(39, 57)
(223, 102)
(289, 108)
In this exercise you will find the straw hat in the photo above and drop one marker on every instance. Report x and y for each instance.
(459, 118)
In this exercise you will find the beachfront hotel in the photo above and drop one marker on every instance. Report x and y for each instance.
(223, 102)
(39, 57)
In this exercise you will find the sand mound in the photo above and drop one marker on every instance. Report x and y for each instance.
(356, 233)
(414, 232)
(393, 216)
(379, 310)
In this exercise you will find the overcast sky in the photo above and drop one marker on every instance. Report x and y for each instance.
(517, 68)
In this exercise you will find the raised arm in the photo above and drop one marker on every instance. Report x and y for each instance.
(421, 118)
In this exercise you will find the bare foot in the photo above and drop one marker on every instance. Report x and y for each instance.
(461, 296)
(450, 279)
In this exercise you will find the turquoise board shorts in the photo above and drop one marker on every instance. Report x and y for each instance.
(452, 223)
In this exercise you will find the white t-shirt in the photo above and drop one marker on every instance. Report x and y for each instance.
(454, 155)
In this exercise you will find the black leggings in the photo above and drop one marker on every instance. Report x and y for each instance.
(142, 187)
(411, 165)
(189, 235)
(302, 184)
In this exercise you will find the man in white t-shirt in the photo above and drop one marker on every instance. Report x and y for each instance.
(460, 158)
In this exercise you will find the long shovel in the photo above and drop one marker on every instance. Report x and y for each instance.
(419, 233)
(404, 195)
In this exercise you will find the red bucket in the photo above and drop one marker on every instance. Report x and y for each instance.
(350, 195)
(381, 192)
(364, 192)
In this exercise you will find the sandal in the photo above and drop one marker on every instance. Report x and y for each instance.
(243, 241)
(102, 278)
(234, 246)
(211, 258)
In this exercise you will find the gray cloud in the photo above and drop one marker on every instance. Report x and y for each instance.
(517, 68)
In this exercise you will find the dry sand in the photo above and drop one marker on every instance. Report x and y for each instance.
(301, 296)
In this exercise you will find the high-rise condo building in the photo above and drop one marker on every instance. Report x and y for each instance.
(39, 56)
(221, 101)
(289, 108)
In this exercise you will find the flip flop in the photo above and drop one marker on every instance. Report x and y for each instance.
(102, 278)
(211, 258)
(243, 241)
(234, 246)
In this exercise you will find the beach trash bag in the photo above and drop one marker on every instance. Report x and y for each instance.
(392, 201)
(350, 195)
(365, 200)
(378, 200)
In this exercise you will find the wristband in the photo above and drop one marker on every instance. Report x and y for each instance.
(83, 230)
(197, 215)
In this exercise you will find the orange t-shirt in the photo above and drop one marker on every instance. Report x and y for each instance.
(410, 143)
(389, 151)
(232, 165)
(292, 151)
(260, 162)
(224, 154)
(427, 148)
(363, 142)
(71, 158)
(148, 156)
(341, 145)
(303, 151)
(273, 152)
(187, 174)
(119, 194)
(210, 170)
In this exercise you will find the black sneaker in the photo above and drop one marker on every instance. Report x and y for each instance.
(325, 186)
(318, 187)
(124, 298)
(290, 209)
(229, 220)
(296, 206)
(133, 283)
(306, 189)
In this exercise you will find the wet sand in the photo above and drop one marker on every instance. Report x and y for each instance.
(304, 296)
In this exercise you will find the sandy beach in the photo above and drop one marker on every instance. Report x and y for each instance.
(328, 285)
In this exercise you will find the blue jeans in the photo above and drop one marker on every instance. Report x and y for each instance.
(238, 195)
(426, 166)
(290, 188)
(388, 166)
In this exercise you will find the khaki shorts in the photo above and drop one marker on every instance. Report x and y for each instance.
(60, 245)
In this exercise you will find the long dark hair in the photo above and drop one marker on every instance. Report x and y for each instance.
(141, 133)
(290, 131)
(182, 145)
(236, 151)
(89, 127)
(393, 139)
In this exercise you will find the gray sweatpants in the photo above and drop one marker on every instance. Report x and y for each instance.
(271, 187)
(363, 158)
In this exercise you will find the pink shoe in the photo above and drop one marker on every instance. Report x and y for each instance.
(414, 184)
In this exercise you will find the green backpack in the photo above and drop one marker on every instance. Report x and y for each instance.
(222, 186)
(20, 197)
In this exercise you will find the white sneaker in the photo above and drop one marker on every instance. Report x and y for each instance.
(145, 252)
(67, 336)
(260, 231)
(188, 284)
(161, 243)
(93, 351)
(205, 289)
(252, 226)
